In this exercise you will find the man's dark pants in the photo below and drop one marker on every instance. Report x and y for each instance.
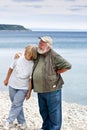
(50, 110)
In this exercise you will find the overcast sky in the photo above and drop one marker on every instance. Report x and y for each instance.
(45, 14)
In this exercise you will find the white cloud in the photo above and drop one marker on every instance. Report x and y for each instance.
(45, 13)
(27, 0)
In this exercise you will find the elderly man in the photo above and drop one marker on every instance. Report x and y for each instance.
(47, 82)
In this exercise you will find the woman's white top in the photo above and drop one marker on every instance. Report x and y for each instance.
(22, 70)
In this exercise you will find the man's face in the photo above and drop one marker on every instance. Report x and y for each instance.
(42, 47)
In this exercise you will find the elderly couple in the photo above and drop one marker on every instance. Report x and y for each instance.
(39, 69)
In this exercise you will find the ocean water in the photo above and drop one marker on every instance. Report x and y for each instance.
(71, 45)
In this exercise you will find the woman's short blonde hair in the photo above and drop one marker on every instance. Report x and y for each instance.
(32, 49)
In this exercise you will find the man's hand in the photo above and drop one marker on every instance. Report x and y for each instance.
(17, 55)
(61, 70)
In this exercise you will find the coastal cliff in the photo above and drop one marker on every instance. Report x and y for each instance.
(13, 27)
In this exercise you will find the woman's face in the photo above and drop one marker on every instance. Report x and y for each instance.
(28, 54)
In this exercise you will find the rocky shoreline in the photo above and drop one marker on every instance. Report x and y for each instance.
(74, 115)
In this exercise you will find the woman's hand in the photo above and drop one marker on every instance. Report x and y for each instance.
(5, 82)
(28, 95)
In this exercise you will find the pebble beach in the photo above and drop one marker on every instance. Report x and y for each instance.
(74, 115)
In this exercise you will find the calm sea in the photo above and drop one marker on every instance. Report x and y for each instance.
(71, 45)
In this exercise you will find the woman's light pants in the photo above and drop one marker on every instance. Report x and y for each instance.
(17, 97)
